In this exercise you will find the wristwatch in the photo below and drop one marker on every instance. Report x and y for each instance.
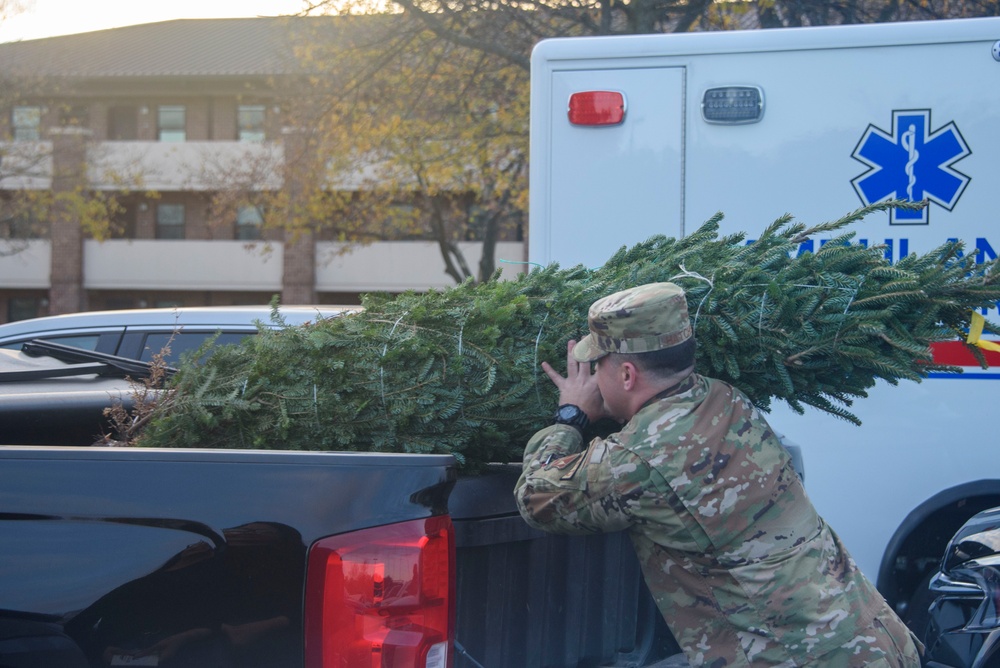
(572, 416)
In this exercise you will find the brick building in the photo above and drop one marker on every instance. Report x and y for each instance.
(159, 115)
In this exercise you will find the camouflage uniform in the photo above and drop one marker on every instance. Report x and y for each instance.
(743, 569)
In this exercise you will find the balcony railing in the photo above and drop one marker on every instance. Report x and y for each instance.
(198, 165)
(25, 265)
(150, 165)
(392, 266)
(396, 266)
(26, 165)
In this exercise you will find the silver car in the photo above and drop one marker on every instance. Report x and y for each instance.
(141, 333)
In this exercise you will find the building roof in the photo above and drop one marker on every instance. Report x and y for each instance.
(179, 48)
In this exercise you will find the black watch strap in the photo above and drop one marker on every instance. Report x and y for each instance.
(573, 416)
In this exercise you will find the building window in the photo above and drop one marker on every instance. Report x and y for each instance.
(123, 223)
(74, 116)
(170, 221)
(22, 308)
(123, 124)
(171, 123)
(21, 225)
(27, 123)
(22, 217)
(249, 221)
(250, 122)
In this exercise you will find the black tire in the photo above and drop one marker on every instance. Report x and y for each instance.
(917, 615)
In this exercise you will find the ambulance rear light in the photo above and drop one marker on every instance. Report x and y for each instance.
(733, 105)
(382, 597)
(596, 108)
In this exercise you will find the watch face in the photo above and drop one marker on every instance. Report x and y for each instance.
(568, 412)
(572, 416)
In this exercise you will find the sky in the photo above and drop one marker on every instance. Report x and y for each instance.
(47, 18)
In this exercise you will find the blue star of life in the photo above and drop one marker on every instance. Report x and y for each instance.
(911, 163)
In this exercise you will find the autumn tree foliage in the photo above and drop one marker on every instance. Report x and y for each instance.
(509, 28)
(392, 134)
(29, 169)
(429, 138)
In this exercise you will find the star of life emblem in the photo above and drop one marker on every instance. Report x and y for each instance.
(912, 163)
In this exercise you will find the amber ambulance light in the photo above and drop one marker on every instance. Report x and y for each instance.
(382, 597)
(596, 108)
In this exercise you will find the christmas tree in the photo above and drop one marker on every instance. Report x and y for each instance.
(457, 371)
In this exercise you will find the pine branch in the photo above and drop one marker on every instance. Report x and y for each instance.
(458, 370)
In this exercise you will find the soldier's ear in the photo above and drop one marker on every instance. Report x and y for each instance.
(628, 375)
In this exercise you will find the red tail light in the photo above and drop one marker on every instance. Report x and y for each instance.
(596, 107)
(382, 597)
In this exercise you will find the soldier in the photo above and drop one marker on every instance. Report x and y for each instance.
(742, 568)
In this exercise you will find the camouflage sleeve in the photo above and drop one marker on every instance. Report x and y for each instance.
(563, 490)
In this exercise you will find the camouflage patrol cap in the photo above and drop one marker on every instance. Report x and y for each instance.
(639, 320)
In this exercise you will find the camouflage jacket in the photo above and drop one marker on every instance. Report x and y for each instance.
(742, 567)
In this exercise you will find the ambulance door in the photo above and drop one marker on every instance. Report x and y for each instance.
(611, 184)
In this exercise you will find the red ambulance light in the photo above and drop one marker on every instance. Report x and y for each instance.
(382, 597)
(596, 107)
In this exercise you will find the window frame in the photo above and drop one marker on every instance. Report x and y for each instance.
(123, 122)
(248, 229)
(163, 223)
(250, 132)
(171, 131)
(18, 128)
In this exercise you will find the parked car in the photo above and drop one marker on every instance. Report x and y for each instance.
(963, 625)
(141, 333)
(45, 400)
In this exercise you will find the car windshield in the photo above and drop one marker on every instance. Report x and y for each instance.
(39, 360)
(84, 341)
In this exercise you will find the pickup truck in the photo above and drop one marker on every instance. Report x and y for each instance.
(114, 556)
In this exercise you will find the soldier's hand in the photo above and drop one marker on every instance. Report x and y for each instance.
(579, 386)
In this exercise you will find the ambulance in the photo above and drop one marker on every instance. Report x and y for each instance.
(633, 136)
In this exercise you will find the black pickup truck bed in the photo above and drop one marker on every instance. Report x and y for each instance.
(180, 557)
(111, 551)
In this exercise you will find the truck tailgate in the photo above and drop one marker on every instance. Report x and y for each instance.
(182, 557)
(531, 599)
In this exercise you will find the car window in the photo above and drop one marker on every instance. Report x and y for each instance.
(184, 342)
(85, 341)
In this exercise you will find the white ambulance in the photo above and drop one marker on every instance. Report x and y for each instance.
(641, 135)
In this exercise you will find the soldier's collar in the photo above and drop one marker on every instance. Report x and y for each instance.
(683, 385)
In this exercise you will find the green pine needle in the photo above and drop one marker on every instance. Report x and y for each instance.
(457, 370)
